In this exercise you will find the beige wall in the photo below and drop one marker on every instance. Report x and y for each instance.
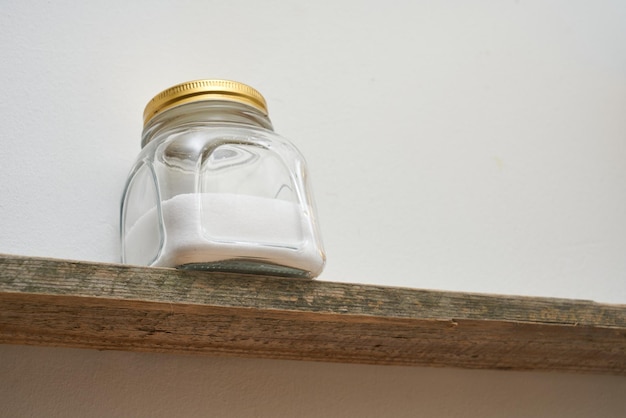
(46, 382)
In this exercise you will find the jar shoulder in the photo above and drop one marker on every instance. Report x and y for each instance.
(205, 136)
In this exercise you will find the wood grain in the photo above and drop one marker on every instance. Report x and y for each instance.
(116, 307)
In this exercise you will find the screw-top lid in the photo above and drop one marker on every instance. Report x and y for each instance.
(193, 91)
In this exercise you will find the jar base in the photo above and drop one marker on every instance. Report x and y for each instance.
(248, 267)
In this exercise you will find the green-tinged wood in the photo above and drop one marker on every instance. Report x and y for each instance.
(109, 306)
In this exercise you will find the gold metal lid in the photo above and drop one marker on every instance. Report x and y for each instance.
(192, 91)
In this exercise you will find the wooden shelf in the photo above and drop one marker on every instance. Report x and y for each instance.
(116, 307)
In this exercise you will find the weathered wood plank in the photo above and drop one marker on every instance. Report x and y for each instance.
(108, 306)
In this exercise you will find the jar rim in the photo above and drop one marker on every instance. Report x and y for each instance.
(207, 89)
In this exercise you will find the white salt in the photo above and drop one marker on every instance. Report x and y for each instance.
(210, 227)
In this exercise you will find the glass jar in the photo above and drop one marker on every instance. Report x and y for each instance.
(214, 188)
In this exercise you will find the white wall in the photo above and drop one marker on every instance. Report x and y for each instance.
(473, 146)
